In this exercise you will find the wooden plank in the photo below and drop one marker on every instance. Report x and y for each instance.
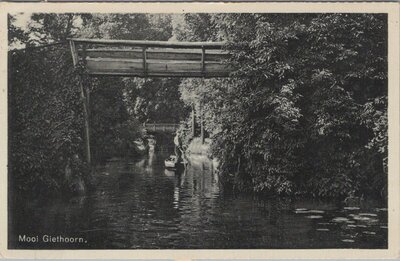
(113, 64)
(206, 45)
(85, 103)
(73, 53)
(144, 58)
(194, 120)
(203, 60)
(158, 54)
(155, 67)
(163, 127)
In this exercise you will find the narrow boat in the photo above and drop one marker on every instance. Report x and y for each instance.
(171, 162)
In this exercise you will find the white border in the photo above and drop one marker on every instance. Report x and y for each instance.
(392, 9)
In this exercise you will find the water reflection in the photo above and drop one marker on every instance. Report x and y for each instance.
(140, 204)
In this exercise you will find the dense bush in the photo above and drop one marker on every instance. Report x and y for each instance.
(305, 109)
(46, 124)
(46, 138)
(45, 119)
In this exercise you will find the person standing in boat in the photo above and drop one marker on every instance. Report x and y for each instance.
(178, 148)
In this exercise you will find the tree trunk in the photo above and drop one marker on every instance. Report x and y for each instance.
(85, 103)
(201, 125)
(193, 121)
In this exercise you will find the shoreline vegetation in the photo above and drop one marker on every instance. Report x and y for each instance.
(303, 114)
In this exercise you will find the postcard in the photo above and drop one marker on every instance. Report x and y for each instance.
(200, 130)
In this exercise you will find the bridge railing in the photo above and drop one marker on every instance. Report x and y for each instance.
(161, 127)
(152, 58)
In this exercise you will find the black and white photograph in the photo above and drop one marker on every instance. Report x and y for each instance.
(197, 130)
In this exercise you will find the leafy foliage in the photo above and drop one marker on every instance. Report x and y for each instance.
(305, 109)
(46, 121)
(154, 100)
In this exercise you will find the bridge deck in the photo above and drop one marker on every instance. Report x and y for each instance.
(151, 58)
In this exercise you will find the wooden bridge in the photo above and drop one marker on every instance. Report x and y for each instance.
(161, 127)
(145, 59)
(151, 58)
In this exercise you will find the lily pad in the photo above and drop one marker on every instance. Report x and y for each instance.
(368, 214)
(348, 240)
(323, 229)
(351, 208)
(369, 232)
(363, 218)
(314, 216)
(312, 211)
(340, 219)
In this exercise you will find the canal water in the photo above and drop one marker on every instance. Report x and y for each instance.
(141, 205)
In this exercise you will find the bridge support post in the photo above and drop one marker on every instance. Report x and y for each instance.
(201, 125)
(85, 103)
(193, 121)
